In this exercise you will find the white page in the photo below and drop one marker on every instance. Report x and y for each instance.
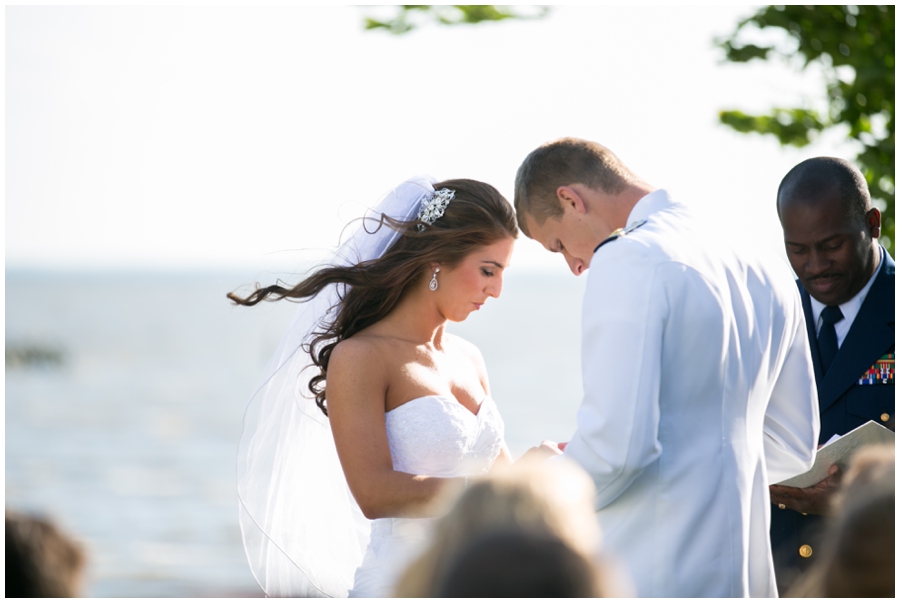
(838, 452)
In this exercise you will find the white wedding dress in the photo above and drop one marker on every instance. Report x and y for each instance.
(435, 436)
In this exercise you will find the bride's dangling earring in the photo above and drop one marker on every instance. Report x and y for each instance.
(433, 283)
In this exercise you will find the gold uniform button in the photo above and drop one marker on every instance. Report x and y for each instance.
(885, 417)
(806, 551)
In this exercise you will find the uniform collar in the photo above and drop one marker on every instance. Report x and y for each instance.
(648, 205)
(849, 308)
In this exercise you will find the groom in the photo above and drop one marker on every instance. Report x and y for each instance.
(698, 384)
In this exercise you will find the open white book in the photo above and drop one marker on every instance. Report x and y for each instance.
(838, 451)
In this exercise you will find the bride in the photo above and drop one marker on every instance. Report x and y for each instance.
(369, 408)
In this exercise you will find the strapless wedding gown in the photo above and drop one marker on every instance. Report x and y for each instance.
(435, 436)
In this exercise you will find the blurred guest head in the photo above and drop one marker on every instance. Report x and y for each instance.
(871, 465)
(858, 559)
(520, 564)
(41, 561)
(552, 499)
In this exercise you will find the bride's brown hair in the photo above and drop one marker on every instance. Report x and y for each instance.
(477, 216)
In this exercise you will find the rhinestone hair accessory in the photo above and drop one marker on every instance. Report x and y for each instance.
(433, 208)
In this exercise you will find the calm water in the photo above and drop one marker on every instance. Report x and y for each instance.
(129, 440)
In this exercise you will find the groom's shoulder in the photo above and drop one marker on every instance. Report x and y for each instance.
(626, 258)
(619, 233)
(635, 243)
(640, 244)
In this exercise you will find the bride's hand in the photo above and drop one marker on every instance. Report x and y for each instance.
(542, 452)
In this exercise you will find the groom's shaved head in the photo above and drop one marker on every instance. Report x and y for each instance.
(564, 162)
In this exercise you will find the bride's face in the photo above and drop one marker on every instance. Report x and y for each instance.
(465, 288)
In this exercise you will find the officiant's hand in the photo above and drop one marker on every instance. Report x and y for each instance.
(815, 500)
(542, 452)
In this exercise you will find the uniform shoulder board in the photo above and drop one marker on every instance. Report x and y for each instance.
(620, 232)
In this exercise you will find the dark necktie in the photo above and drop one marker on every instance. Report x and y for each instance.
(828, 344)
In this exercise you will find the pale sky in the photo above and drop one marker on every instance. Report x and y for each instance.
(246, 137)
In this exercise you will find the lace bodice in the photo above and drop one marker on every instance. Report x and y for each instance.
(438, 436)
(435, 436)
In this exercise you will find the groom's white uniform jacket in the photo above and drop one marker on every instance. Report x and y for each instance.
(698, 393)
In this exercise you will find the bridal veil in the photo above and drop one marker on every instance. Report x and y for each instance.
(303, 532)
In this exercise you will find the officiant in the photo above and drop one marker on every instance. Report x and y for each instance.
(846, 281)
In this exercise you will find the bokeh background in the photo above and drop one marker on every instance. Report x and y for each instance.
(159, 157)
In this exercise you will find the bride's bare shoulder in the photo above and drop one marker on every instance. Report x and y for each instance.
(358, 374)
(359, 351)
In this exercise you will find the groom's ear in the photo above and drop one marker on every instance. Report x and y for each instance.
(570, 199)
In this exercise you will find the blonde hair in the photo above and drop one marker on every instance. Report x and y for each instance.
(553, 499)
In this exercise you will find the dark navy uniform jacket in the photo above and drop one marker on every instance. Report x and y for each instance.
(851, 393)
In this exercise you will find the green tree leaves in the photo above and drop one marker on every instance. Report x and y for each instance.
(855, 47)
(408, 17)
(791, 126)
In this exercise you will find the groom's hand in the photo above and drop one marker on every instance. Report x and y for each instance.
(542, 452)
(815, 500)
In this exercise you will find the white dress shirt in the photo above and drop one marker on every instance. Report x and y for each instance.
(698, 393)
(849, 309)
